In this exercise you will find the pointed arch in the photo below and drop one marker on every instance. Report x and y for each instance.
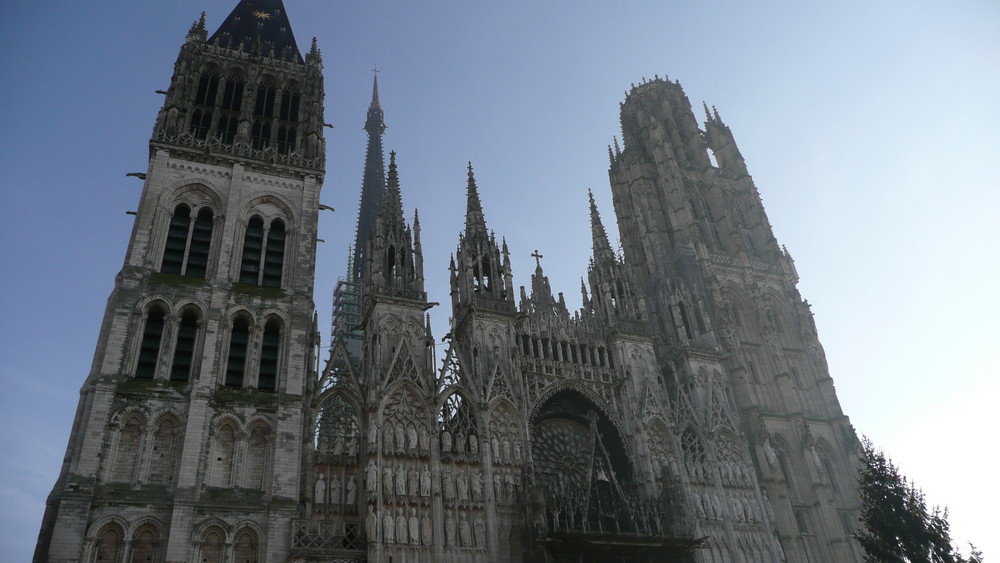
(458, 425)
(404, 409)
(129, 443)
(110, 543)
(154, 325)
(166, 444)
(336, 425)
(402, 366)
(223, 452)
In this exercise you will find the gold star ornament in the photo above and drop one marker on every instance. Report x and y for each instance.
(261, 15)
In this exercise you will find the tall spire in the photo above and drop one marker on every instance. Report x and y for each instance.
(602, 248)
(475, 221)
(373, 182)
(262, 23)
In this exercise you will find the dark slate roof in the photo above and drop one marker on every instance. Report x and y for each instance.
(265, 20)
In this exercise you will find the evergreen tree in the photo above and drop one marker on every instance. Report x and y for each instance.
(898, 527)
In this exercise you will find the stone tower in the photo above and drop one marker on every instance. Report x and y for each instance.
(188, 439)
(730, 329)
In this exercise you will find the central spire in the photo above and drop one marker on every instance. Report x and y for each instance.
(373, 183)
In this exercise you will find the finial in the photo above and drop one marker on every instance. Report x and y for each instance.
(618, 150)
(314, 56)
(707, 114)
(611, 156)
(197, 31)
(538, 259)
(716, 112)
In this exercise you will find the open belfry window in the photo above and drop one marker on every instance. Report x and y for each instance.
(229, 110)
(288, 117)
(187, 333)
(263, 115)
(204, 104)
(263, 253)
(270, 349)
(188, 242)
(149, 346)
(239, 341)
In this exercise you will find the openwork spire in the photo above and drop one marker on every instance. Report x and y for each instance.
(373, 182)
(475, 221)
(602, 248)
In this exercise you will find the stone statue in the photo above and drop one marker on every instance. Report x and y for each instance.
(371, 524)
(473, 444)
(772, 457)
(352, 490)
(387, 443)
(371, 476)
(462, 485)
(517, 451)
(506, 450)
(400, 437)
(414, 527)
(496, 449)
(426, 531)
(477, 485)
(425, 443)
(425, 482)
(465, 532)
(449, 529)
(319, 491)
(448, 485)
(388, 529)
(413, 483)
(387, 481)
(480, 532)
(400, 526)
(508, 480)
(338, 445)
(400, 481)
(411, 437)
(459, 443)
(335, 490)
(446, 441)
(498, 486)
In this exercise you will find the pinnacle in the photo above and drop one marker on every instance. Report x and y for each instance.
(601, 245)
(475, 221)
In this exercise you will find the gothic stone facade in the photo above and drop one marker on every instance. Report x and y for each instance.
(684, 413)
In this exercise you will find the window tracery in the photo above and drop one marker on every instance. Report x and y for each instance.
(188, 242)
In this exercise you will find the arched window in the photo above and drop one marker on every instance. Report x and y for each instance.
(177, 235)
(274, 256)
(245, 550)
(161, 468)
(270, 349)
(224, 450)
(288, 117)
(263, 113)
(262, 263)
(229, 116)
(109, 544)
(145, 545)
(212, 544)
(256, 458)
(187, 333)
(149, 347)
(204, 104)
(187, 246)
(127, 453)
(253, 247)
(239, 340)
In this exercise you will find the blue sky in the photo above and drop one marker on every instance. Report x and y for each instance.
(870, 130)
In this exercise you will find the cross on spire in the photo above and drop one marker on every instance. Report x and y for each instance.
(538, 258)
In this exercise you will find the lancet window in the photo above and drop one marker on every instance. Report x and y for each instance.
(337, 428)
(126, 457)
(245, 549)
(188, 242)
(212, 544)
(109, 544)
(164, 453)
(239, 342)
(152, 338)
(263, 253)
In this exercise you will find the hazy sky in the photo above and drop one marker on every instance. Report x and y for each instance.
(870, 128)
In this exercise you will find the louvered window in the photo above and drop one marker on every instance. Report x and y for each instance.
(270, 349)
(187, 334)
(176, 247)
(263, 257)
(253, 247)
(187, 247)
(149, 348)
(229, 116)
(239, 341)
(274, 257)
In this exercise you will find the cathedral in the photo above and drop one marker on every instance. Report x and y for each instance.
(685, 413)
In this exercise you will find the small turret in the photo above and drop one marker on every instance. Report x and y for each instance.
(394, 263)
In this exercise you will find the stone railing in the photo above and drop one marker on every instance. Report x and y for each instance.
(327, 535)
(214, 145)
